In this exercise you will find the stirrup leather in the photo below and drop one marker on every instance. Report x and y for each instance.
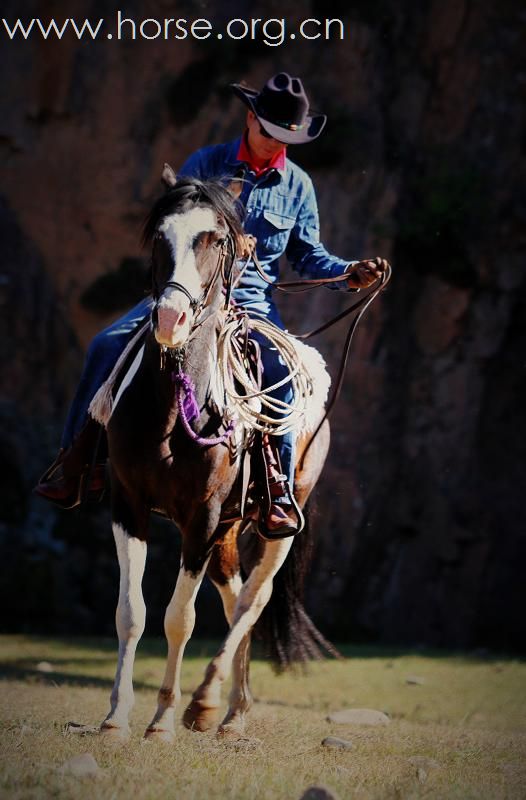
(274, 477)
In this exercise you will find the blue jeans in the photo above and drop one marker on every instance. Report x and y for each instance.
(108, 345)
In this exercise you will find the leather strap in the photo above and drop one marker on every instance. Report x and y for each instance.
(360, 306)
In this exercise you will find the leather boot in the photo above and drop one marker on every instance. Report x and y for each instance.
(284, 517)
(65, 483)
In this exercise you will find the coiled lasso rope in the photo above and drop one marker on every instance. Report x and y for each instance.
(255, 406)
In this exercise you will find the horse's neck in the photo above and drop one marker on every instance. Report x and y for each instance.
(201, 359)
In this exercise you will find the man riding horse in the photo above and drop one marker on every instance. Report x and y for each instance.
(282, 217)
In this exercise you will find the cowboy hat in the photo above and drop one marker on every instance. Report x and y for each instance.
(282, 108)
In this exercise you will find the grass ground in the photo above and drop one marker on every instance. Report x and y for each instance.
(457, 730)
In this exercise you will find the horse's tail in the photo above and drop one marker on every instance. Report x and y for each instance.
(288, 634)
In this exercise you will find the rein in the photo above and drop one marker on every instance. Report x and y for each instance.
(294, 287)
(186, 402)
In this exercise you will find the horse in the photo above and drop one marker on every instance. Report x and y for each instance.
(155, 465)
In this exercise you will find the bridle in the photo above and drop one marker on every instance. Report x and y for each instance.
(199, 305)
(202, 312)
(184, 387)
(194, 301)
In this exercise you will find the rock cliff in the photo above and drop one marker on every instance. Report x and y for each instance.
(420, 515)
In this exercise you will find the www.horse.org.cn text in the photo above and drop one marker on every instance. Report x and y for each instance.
(273, 32)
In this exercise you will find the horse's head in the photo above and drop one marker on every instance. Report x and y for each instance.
(195, 230)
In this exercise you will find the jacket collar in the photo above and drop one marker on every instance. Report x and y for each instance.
(232, 159)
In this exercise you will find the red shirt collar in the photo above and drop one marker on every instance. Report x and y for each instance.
(276, 162)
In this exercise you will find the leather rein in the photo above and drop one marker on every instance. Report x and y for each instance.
(199, 304)
(295, 287)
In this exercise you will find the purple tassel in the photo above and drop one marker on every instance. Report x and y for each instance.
(191, 409)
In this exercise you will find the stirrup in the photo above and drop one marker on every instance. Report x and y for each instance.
(82, 488)
(286, 530)
(78, 473)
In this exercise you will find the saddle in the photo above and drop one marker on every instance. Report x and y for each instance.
(79, 473)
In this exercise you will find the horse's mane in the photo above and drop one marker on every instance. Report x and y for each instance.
(189, 192)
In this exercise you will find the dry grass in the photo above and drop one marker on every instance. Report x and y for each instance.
(468, 715)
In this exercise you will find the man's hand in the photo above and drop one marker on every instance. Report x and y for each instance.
(365, 273)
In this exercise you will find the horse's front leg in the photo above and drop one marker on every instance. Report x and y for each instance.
(253, 598)
(224, 571)
(179, 623)
(130, 618)
(179, 619)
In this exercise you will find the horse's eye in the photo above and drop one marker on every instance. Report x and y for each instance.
(220, 242)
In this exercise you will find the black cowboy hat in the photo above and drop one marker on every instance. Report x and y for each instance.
(282, 108)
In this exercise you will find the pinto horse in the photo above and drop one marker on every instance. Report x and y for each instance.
(155, 465)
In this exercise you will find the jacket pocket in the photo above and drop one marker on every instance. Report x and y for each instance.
(276, 231)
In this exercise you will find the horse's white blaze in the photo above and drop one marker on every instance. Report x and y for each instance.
(179, 623)
(130, 618)
(252, 599)
(173, 309)
(180, 230)
(128, 378)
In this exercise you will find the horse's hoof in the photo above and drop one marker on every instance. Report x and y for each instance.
(233, 725)
(200, 718)
(114, 733)
(231, 731)
(159, 735)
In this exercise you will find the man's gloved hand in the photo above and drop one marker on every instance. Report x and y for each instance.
(364, 273)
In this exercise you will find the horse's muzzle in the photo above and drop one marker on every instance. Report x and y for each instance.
(171, 324)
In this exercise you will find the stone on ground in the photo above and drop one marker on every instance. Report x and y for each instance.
(318, 793)
(423, 762)
(79, 728)
(359, 716)
(336, 743)
(83, 765)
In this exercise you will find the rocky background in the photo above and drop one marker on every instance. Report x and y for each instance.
(420, 517)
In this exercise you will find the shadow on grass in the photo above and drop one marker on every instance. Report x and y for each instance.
(103, 652)
(18, 672)
(98, 647)
(99, 653)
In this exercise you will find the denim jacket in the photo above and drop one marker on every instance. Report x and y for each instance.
(281, 212)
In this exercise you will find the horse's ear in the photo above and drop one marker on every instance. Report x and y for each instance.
(235, 187)
(169, 178)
